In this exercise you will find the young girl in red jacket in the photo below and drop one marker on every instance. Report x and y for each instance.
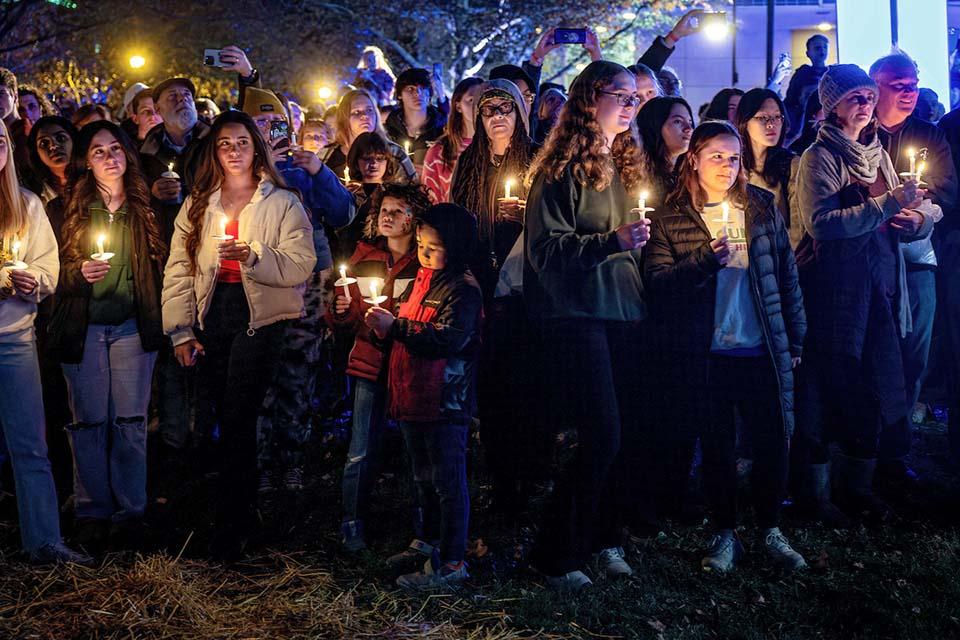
(431, 379)
(388, 253)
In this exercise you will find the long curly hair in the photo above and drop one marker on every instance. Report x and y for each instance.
(453, 131)
(83, 190)
(470, 188)
(688, 191)
(210, 176)
(576, 139)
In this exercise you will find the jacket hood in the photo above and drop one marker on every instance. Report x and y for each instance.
(506, 89)
(458, 230)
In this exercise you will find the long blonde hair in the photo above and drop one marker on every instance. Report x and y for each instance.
(13, 204)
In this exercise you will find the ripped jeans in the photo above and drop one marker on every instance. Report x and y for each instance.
(109, 392)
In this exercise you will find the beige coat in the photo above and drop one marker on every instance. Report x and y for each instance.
(280, 235)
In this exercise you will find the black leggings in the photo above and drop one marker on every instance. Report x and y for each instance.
(233, 378)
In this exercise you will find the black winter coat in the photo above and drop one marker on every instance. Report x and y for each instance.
(680, 272)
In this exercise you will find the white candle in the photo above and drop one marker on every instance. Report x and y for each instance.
(726, 215)
(346, 174)
(643, 204)
(913, 160)
(506, 188)
(374, 291)
(16, 249)
(346, 285)
(100, 240)
(406, 147)
(223, 224)
(170, 167)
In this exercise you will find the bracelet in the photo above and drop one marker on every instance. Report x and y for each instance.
(672, 39)
(535, 61)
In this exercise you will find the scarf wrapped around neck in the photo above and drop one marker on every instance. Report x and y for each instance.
(862, 160)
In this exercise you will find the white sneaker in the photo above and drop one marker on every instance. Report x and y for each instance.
(780, 550)
(572, 582)
(613, 564)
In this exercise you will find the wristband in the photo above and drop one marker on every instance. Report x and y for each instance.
(672, 39)
(535, 61)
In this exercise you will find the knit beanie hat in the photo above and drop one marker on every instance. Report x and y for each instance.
(458, 230)
(259, 101)
(839, 80)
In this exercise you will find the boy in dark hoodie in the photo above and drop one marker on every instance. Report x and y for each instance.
(431, 379)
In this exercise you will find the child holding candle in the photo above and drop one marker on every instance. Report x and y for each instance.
(728, 316)
(106, 330)
(388, 252)
(431, 378)
(228, 302)
(21, 400)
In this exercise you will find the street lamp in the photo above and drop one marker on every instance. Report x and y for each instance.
(137, 61)
(325, 93)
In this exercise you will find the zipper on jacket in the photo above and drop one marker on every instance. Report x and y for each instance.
(763, 327)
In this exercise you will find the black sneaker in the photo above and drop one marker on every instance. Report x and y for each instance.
(59, 553)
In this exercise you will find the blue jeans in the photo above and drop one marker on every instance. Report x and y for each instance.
(109, 393)
(22, 420)
(438, 452)
(363, 456)
(915, 348)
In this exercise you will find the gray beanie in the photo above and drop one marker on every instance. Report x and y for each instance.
(839, 80)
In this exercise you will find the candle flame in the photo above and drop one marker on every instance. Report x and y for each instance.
(644, 194)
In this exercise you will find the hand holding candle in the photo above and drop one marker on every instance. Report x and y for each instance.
(509, 206)
(344, 282)
(376, 287)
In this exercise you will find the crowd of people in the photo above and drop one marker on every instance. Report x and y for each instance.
(758, 286)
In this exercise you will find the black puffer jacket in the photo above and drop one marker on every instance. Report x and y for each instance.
(680, 272)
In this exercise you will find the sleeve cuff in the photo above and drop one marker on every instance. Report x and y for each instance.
(182, 337)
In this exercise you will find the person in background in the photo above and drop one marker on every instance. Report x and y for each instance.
(726, 283)
(387, 251)
(804, 81)
(21, 403)
(724, 105)
(761, 122)
(106, 330)
(144, 115)
(415, 124)
(431, 378)
(374, 69)
(548, 109)
(665, 125)
(929, 108)
(812, 117)
(9, 99)
(50, 146)
(670, 82)
(901, 132)
(313, 136)
(207, 110)
(127, 112)
(581, 284)
(458, 132)
(648, 86)
(33, 104)
(90, 113)
(357, 113)
(230, 299)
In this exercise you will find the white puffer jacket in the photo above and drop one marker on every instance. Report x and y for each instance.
(280, 235)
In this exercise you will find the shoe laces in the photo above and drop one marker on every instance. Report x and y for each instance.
(776, 540)
(612, 554)
(293, 475)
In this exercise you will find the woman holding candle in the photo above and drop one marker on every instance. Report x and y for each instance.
(106, 329)
(441, 157)
(357, 113)
(726, 308)
(665, 125)
(581, 282)
(21, 402)
(387, 253)
(856, 215)
(761, 121)
(228, 301)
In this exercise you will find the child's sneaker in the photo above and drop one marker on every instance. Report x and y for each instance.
(411, 557)
(723, 552)
(268, 481)
(780, 550)
(447, 575)
(572, 582)
(293, 478)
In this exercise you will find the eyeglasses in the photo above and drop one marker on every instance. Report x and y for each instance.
(768, 121)
(623, 99)
(490, 110)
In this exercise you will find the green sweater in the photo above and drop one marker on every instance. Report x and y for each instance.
(112, 300)
(574, 265)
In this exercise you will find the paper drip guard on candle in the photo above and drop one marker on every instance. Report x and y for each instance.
(223, 236)
(376, 290)
(101, 255)
(15, 263)
(170, 173)
(642, 205)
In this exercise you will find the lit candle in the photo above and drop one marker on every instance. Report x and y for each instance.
(506, 188)
(406, 147)
(913, 160)
(346, 174)
(345, 282)
(374, 292)
(920, 169)
(223, 225)
(100, 240)
(643, 204)
(726, 215)
(170, 167)
(16, 249)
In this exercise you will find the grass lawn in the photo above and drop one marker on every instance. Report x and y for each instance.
(897, 581)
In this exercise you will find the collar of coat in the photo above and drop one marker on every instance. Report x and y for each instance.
(153, 142)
